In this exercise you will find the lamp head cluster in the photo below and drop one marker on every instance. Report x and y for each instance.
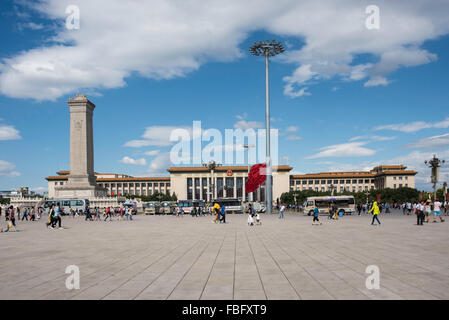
(267, 48)
(434, 163)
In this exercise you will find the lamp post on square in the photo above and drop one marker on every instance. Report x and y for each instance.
(267, 49)
(435, 165)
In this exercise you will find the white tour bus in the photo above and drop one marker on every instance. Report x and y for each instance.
(232, 205)
(66, 204)
(187, 205)
(344, 204)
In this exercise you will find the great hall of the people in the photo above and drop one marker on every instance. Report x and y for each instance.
(192, 183)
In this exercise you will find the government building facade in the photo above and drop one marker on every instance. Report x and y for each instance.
(201, 183)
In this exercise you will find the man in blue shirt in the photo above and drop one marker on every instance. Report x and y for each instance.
(223, 214)
(57, 216)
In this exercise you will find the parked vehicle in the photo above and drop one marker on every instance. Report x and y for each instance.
(233, 205)
(344, 204)
(167, 207)
(152, 207)
(66, 204)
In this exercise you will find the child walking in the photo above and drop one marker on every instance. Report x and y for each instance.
(250, 220)
(316, 212)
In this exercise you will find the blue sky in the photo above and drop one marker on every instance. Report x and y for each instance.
(343, 97)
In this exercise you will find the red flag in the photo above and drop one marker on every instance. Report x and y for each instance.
(257, 175)
(378, 197)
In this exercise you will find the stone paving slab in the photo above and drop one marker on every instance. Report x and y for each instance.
(167, 257)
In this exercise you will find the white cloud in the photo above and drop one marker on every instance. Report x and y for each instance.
(293, 137)
(152, 152)
(350, 149)
(160, 164)
(7, 169)
(30, 25)
(183, 35)
(136, 162)
(156, 136)
(40, 189)
(243, 124)
(376, 81)
(360, 71)
(292, 129)
(431, 143)
(290, 91)
(414, 126)
(372, 138)
(9, 133)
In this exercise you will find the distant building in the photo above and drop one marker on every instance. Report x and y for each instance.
(117, 184)
(194, 183)
(19, 192)
(381, 177)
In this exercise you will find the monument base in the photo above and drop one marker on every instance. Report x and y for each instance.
(79, 192)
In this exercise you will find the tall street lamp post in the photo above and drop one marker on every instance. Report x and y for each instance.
(267, 49)
(435, 165)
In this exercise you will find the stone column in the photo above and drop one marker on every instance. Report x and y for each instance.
(81, 141)
(81, 181)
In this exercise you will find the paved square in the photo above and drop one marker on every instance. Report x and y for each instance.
(165, 257)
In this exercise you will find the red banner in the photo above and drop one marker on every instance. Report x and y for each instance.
(257, 175)
(378, 197)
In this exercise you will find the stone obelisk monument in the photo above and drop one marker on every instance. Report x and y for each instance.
(81, 180)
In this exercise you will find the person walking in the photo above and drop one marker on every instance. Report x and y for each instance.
(316, 212)
(25, 215)
(359, 209)
(281, 212)
(216, 209)
(330, 211)
(428, 209)
(437, 210)
(51, 212)
(57, 216)
(88, 214)
(223, 214)
(11, 219)
(108, 214)
(376, 211)
(335, 212)
(420, 214)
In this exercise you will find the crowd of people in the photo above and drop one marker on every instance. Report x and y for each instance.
(55, 212)
(424, 211)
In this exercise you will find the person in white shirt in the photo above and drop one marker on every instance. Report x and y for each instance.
(420, 213)
(437, 210)
(281, 212)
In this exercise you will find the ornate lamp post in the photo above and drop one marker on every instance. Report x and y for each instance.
(332, 188)
(212, 165)
(267, 49)
(435, 165)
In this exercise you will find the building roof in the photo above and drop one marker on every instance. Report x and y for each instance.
(397, 172)
(352, 174)
(332, 175)
(394, 166)
(65, 177)
(222, 168)
(134, 179)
